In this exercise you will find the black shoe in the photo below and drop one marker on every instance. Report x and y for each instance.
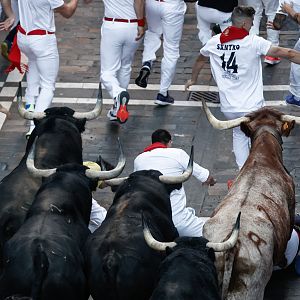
(164, 100)
(142, 79)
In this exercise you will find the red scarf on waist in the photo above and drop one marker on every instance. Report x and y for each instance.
(14, 57)
(233, 33)
(154, 146)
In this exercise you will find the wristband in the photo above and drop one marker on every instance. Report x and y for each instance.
(141, 22)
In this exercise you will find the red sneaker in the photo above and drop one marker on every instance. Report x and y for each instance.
(122, 112)
(229, 183)
(272, 60)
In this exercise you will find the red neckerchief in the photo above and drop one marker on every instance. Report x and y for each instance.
(154, 146)
(14, 57)
(233, 33)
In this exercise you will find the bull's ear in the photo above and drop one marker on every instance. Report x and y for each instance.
(211, 253)
(286, 127)
(80, 123)
(246, 128)
(168, 251)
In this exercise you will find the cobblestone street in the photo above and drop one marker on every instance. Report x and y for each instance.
(78, 42)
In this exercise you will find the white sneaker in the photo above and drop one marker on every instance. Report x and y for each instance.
(111, 115)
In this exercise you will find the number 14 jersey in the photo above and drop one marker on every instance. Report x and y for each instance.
(236, 68)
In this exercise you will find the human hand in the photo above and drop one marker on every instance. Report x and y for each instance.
(140, 32)
(189, 83)
(286, 7)
(7, 24)
(270, 25)
(210, 181)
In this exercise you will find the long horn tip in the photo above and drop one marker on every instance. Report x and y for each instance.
(238, 220)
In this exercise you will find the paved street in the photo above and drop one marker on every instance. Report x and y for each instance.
(78, 40)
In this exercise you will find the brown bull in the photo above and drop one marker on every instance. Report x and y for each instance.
(264, 193)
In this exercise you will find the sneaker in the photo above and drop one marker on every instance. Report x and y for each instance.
(290, 99)
(111, 115)
(29, 107)
(272, 60)
(122, 113)
(5, 47)
(142, 79)
(164, 100)
(229, 183)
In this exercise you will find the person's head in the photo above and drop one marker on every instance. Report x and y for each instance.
(242, 17)
(162, 136)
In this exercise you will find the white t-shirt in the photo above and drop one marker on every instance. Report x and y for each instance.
(295, 3)
(38, 14)
(170, 161)
(121, 9)
(236, 68)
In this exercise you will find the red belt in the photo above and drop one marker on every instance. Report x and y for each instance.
(34, 32)
(121, 20)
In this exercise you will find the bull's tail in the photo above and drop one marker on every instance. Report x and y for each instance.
(40, 266)
(111, 262)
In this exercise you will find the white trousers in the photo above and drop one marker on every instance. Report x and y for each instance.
(43, 64)
(241, 143)
(295, 75)
(270, 7)
(117, 49)
(205, 17)
(165, 19)
(291, 249)
(188, 224)
(98, 215)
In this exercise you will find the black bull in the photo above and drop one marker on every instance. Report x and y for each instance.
(44, 259)
(58, 142)
(188, 272)
(58, 132)
(120, 265)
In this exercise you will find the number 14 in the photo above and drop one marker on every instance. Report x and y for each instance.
(230, 64)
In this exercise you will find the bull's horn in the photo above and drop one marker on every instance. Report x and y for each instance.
(102, 175)
(32, 169)
(23, 112)
(184, 176)
(151, 241)
(222, 124)
(115, 181)
(218, 247)
(90, 115)
(289, 118)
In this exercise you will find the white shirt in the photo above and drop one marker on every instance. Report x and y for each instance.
(119, 9)
(236, 68)
(38, 14)
(295, 4)
(170, 161)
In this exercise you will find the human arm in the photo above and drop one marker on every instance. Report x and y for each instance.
(290, 54)
(288, 8)
(198, 65)
(9, 22)
(202, 174)
(139, 7)
(67, 9)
